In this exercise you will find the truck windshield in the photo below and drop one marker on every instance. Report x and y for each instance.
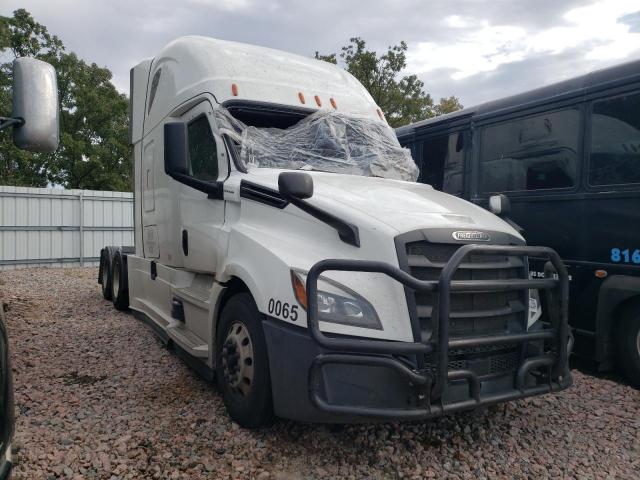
(324, 140)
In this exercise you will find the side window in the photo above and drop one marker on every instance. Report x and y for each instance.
(442, 162)
(537, 152)
(203, 155)
(154, 88)
(615, 141)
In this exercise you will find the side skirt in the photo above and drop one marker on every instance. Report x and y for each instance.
(160, 333)
(203, 371)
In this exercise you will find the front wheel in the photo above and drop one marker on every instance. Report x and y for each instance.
(628, 343)
(242, 363)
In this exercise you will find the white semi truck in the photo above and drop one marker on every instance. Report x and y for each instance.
(283, 248)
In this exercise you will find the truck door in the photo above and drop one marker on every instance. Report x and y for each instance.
(148, 177)
(200, 217)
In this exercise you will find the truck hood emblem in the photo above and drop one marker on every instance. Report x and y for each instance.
(471, 235)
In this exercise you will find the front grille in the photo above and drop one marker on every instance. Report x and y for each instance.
(495, 363)
(471, 313)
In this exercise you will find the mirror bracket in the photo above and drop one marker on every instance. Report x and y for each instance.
(6, 122)
(295, 187)
(214, 190)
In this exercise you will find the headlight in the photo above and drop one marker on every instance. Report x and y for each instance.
(535, 309)
(337, 303)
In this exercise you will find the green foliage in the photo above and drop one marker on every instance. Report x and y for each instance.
(5, 33)
(401, 98)
(447, 105)
(327, 58)
(93, 151)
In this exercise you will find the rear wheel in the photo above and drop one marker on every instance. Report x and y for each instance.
(105, 274)
(119, 283)
(628, 343)
(242, 364)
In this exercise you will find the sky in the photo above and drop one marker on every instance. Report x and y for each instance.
(475, 50)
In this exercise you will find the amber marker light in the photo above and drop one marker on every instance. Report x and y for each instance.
(380, 114)
(601, 273)
(299, 289)
(301, 97)
(318, 102)
(333, 103)
(234, 89)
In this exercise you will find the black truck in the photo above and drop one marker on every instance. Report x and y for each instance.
(567, 157)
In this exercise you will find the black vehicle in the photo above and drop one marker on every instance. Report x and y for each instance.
(6, 402)
(568, 158)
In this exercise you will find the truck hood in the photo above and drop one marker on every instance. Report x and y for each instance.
(403, 206)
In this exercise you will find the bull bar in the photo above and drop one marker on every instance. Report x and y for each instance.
(429, 390)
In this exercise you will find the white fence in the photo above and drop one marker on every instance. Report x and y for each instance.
(45, 226)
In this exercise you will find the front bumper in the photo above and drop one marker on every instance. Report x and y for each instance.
(316, 377)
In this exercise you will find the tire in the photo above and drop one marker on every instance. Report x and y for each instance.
(628, 344)
(105, 274)
(242, 369)
(119, 283)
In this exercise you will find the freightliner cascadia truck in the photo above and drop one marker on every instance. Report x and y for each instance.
(283, 247)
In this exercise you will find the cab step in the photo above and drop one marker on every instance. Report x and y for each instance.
(188, 340)
(198, 291)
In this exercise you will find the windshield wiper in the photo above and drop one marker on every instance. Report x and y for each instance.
(309, 168)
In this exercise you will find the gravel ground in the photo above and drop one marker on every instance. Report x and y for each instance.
(97, 396)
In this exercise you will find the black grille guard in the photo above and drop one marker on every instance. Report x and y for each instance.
(380, 353)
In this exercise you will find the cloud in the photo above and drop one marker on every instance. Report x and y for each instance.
(485, 46)
(456, 21)
(633, 20)
(508, 79)
(476, 50)
(224, 5)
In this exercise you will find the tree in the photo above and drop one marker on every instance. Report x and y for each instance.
(401, 98)
(447, 105)
(93, 151)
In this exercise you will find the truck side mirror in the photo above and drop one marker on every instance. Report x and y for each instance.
(35, 104)
(175, 149)
(500, 205)
(296, 185)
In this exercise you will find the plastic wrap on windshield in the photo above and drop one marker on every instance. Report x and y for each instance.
(326, 141)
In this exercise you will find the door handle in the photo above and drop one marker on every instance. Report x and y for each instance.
(185, 243)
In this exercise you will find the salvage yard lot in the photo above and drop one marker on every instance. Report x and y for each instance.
(98, 396)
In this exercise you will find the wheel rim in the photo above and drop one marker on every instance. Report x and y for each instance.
(115, 281)
(238, 360)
